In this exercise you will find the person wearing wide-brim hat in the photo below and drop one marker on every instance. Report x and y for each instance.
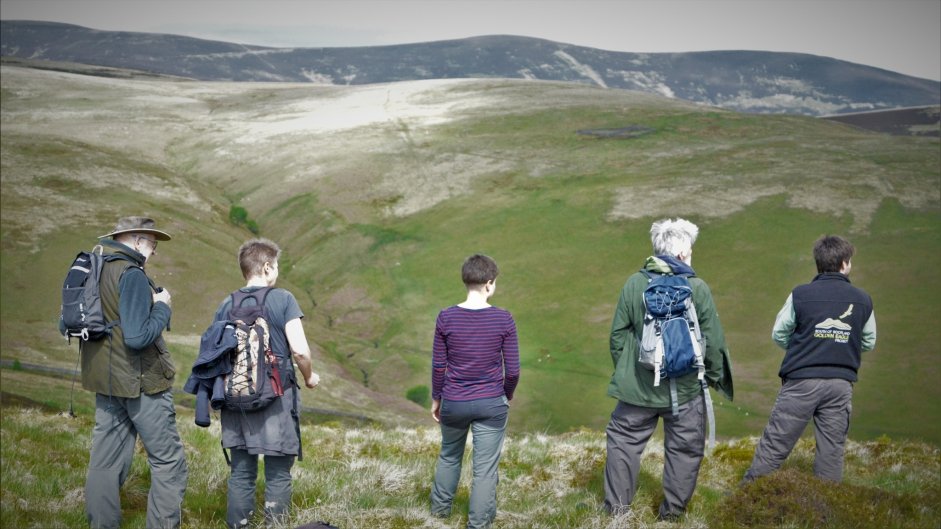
(141, 225)
(132, 374)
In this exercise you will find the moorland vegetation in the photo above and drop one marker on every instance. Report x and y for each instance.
(377, 193)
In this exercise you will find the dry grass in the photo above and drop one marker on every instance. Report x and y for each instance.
(359, 478)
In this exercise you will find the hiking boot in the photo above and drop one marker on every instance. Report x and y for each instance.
(671, 517)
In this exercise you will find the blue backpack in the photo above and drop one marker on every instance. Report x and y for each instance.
(671, 344)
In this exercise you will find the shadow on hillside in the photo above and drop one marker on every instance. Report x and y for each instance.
(916, 121)
(631, 131)
(309, 415)
(11, 400)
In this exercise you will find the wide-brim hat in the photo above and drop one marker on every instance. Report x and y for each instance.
(137, 225)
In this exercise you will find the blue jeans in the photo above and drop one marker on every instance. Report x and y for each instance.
(241, 496)
(486, 419)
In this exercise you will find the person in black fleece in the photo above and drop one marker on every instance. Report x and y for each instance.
(824, 327)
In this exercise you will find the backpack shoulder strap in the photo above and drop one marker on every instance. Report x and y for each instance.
(710, 415)
(260, 295)
(128, 262)
(238, 298)
(264, 295)
(117, 257)
(93, 258)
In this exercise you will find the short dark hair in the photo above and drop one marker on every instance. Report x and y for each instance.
(478, 269)
(254, 253)
(831, 251)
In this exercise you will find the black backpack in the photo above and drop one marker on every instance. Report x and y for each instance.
(255, 380)
(81, 315)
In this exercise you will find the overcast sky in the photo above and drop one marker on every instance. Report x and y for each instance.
(899, 35)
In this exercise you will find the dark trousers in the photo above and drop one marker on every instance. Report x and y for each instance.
(828, 401)
(684, 445)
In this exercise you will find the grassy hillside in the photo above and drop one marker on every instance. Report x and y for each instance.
(377, 194)
(380, 478)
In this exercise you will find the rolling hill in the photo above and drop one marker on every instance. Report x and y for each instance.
(742, 80)
(377, 192)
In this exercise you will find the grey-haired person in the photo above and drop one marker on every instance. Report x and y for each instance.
(132, 375)
(640, 403)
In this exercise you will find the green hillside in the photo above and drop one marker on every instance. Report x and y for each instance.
(376, 194)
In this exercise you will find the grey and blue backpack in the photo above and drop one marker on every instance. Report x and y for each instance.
(672, 344)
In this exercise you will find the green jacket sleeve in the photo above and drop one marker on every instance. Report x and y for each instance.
(717, 359)
(621, 327)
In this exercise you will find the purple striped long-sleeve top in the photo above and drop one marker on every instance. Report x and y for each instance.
(475, 354)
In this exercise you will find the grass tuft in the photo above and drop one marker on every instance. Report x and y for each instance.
(791, 498)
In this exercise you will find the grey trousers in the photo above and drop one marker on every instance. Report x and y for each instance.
(241, 495)
(684, 444)
(828, 401)
(486, 419)
(118, 423)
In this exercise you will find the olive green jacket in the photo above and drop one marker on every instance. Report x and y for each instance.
(631, 382)
(135, 359)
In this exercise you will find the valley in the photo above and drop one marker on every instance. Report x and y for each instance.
(376, 193)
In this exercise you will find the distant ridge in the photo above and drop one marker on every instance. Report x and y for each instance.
(748, 81)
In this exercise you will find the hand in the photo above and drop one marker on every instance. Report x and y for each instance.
(162, 295)
(313, 380)
(436, 410)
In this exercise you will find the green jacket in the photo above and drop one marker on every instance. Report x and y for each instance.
(631, 382)
(135, 359)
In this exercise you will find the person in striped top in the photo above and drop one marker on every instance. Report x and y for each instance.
(475, 370)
